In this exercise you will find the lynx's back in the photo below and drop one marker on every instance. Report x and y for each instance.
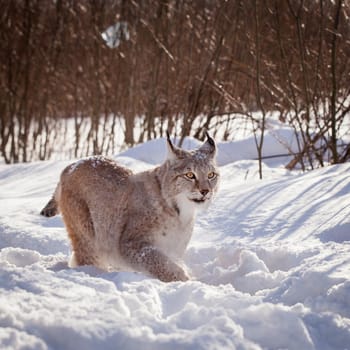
(140, 222)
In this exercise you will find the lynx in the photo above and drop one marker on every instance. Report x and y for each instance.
(117, 220)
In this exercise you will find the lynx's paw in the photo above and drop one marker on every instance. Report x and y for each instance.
(50, 209)
(177, 274)
(165, 269)
(147, 258)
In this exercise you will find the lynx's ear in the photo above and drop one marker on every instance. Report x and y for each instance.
(173, 151)
(208, 147)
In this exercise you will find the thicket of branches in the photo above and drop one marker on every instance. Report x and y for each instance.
(185, 63)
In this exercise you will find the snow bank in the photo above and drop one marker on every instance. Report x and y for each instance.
(155, 151)
(270, 262)
(276, 143)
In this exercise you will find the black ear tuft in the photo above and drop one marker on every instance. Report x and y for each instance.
(170, 144)
(173, 151)
(209, 139)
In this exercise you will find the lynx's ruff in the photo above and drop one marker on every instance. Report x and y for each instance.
(118, 220)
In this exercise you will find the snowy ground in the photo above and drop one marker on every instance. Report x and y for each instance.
(270, 262)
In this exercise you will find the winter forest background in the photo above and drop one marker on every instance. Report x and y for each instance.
(270, 79)
(177, 65)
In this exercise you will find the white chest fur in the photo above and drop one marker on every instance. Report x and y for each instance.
(177, 232)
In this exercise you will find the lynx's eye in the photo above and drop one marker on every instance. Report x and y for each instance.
(190, 175)
(211, 175)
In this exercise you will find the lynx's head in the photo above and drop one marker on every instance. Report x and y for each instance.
(191, 177)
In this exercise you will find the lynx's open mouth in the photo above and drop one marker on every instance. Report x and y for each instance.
(202, 200)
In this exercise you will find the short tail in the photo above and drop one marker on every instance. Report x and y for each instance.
(51, 208)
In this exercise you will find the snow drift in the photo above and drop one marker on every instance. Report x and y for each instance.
(270, 262)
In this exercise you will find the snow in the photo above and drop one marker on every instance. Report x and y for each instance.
(276, 143)
(269, 260)
(115, 34)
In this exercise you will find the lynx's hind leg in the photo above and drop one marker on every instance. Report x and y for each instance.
(79, 225)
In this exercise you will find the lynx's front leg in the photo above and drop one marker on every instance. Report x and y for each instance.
(145, 257)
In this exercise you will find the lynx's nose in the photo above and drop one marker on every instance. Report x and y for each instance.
(204, 192)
